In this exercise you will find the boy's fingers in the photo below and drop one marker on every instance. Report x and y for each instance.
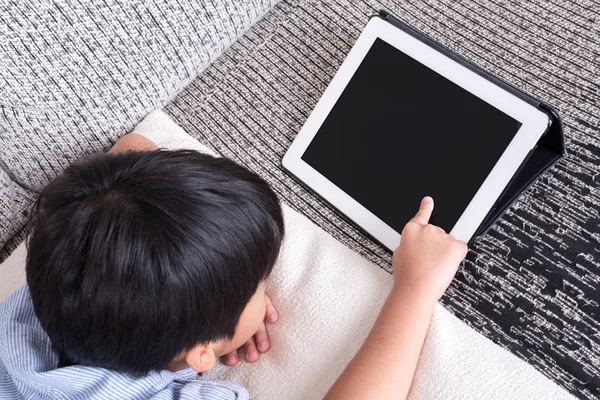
(270, 312)
(422, 217)
(251, 352)
(231, 359)
(262, 338)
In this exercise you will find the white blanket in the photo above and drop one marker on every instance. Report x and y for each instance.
(328, 298)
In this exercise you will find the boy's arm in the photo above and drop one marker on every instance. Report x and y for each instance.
(423, 265)
(133, 141)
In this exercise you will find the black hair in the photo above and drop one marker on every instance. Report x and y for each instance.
(137, 256)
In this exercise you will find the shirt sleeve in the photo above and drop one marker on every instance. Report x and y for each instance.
(202, 390)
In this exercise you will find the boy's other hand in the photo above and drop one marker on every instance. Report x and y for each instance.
(260, 342)
(427, 258)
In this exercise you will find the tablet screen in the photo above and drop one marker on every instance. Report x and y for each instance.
(401, 131)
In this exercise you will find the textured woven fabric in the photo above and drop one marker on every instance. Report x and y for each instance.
(76, 75)
(531, 284)
(15, 203)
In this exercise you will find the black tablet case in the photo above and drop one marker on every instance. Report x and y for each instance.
(550, 147)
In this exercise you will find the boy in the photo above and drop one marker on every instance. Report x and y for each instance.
(144, 266)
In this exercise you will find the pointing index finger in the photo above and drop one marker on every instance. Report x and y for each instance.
(424, 212)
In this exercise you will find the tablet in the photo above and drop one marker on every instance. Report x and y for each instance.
(400, 121)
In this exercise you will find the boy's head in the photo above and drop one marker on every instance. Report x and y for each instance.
(138, 258)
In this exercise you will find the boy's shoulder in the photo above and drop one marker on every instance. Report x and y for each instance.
(28, 368)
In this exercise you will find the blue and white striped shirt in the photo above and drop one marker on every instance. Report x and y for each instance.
(28, 368)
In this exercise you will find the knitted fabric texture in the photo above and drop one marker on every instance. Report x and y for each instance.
(76, 75)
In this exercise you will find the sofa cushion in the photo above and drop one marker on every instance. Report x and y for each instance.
(75, 76)
(15, 204)
(531, 284)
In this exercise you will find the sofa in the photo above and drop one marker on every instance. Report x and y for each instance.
(242, 76)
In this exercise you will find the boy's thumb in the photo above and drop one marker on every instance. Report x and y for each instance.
(425, 211)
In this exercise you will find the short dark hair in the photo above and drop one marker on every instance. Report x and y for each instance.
(137, 256)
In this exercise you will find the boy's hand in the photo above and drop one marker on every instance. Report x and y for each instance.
(423, 266)
(427, 258)
(260, 343)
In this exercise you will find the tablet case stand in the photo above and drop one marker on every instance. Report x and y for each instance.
(550, 148)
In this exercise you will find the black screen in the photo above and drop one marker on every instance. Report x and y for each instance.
(401, 131)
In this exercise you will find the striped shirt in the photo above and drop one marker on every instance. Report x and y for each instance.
(28, 368)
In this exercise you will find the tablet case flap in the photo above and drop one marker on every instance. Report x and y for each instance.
(550, 147)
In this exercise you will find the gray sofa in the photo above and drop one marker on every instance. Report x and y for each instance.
(75, 76)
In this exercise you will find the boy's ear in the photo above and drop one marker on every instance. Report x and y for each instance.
(201, 357)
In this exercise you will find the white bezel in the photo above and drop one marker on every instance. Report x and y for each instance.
(534, 123)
